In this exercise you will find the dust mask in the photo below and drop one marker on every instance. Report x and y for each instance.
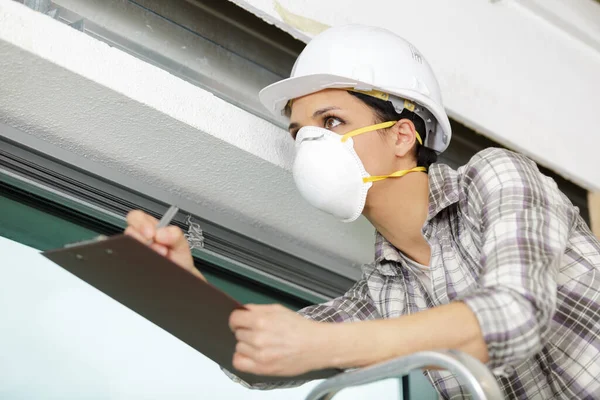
(330, 175)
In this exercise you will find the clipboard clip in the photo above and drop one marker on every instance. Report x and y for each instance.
(83, 243)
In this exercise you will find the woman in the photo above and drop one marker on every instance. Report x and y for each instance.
(490, 259)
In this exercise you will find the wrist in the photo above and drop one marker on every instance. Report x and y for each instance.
(326, 343)
(345, 346)
(333, 349)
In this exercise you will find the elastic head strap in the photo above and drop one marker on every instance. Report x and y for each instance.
(366, 129)
(396, 174)
(372, 128)
(418, 137)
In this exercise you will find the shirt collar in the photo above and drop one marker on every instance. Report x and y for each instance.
(443, 192)
(444, 189)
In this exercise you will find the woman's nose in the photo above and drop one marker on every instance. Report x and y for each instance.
(309, 133)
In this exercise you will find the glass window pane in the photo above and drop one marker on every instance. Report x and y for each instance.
(70, 341)
(36, 228)
(42, 230)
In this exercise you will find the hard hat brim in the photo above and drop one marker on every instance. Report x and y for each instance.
(275, 96)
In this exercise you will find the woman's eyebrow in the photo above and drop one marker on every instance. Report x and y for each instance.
(293, 125)
(320, 111)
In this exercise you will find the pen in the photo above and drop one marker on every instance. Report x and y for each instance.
(165, 220)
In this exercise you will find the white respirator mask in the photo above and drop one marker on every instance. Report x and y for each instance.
(330, 175)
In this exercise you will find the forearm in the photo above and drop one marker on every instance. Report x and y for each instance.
(452, 326)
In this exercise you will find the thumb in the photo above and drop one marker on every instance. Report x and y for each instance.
(172, 237)
(263, 308)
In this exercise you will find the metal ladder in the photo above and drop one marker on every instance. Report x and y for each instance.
(471, 372)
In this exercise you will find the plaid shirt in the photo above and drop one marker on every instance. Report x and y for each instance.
(506, 242)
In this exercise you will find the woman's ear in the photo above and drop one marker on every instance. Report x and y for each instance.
(405, 135)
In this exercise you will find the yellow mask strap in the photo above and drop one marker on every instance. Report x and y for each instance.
(418, 138)
(366, 129)
(396, 174)
(372, 128)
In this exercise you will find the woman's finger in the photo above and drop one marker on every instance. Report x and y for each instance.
(247, 336)
(243, 363)
(172, 237)
(143, 223)
(160, 249)
(240, 319)
(246, 349)
(265, 308)
(131, 231)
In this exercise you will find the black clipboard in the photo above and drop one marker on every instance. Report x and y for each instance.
(151, 285)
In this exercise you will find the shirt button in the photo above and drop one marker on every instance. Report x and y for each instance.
(505, 371)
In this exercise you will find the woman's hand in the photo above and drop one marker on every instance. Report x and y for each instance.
(168, 241)
(275, 341)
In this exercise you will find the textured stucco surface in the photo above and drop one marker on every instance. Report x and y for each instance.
(125, 118)
(505, 71)
(532, 87)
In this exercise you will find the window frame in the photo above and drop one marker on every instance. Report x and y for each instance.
(103, 201)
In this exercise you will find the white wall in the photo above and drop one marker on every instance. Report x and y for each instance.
(526, 78)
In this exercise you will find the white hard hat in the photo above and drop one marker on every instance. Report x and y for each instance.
(366, 59)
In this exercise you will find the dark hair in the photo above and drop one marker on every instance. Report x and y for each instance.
(384, 110)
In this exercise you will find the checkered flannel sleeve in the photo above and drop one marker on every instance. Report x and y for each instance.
(522, 224)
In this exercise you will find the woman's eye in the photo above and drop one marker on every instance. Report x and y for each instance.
(332, 122)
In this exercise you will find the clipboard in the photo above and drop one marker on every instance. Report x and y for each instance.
(167, 295)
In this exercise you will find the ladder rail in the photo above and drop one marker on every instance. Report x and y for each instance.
(479, 380)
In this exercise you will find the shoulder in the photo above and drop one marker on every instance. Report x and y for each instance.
(494, 168)
(502, 176)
